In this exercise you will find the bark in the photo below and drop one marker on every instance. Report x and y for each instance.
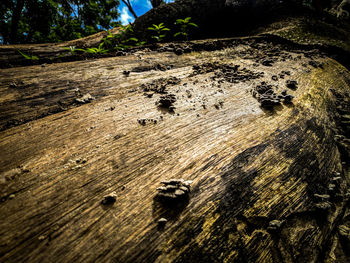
(15, 20)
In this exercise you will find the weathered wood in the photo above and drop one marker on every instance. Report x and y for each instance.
(249, 165)
(9, 56)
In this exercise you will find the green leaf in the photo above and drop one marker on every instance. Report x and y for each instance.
(187, 19)
(108, 42)
(128, 28)
(24, 55)
(141, 43)
(165, 29)
(193, 24)
(32, 57)
(71, 49)
(92, 50)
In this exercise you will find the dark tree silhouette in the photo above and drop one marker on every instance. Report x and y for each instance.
(156, 3)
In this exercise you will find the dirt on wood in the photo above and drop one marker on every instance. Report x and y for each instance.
(235, 150)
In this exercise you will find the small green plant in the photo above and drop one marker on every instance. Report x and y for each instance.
(159, 31)
(123, 40)
(108, 41)
(128, 43)
(29, 57)
(94, 50)
(71, 49)
(185, 26)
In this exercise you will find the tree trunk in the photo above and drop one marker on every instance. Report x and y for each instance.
(85, 145)
(16, 15)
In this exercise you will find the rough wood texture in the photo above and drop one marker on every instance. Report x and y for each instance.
(250, 166)
(9, 56)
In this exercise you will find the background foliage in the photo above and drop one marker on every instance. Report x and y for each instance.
(38, 21)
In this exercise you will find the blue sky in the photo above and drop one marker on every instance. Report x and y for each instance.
(140, 7)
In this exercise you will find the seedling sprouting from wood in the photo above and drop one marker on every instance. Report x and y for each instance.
(159, 31)
(123, 40)
(108, 41)
(99, 50)
(71, 49)
(94, 50)
(29, 57)
(129, 43)
(185, 26)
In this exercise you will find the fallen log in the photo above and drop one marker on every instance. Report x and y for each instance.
(256, 129)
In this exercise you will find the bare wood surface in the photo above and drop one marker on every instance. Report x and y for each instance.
(249, 166)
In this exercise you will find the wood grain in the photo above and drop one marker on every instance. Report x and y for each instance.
(249, 166)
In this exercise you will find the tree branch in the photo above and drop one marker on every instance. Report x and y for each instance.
(128, 4)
